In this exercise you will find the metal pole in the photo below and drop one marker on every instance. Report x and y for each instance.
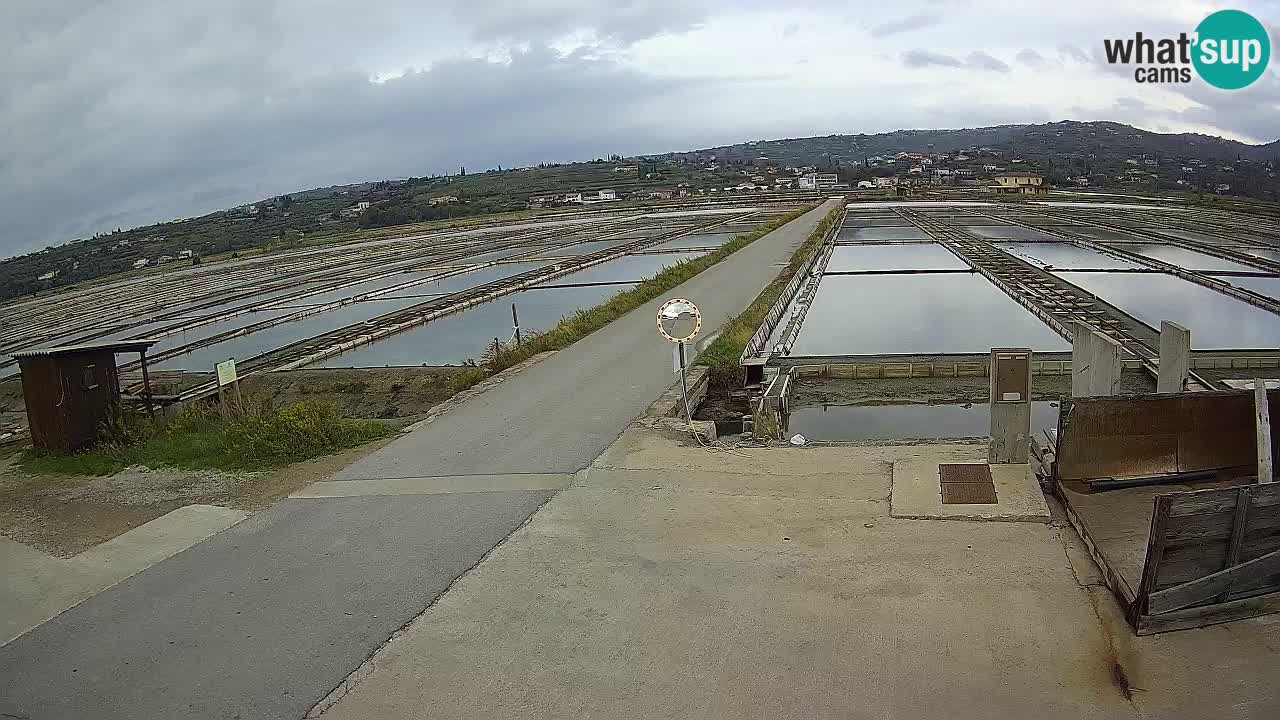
(146, 383)
(684, 387)
(515, 320)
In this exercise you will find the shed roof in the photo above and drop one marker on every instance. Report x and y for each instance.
(117, 346)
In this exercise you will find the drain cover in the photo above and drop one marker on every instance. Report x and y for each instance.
(971, 473)
(969, 484)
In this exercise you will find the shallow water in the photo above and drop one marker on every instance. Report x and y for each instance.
(921, 313)
(914, 256)
(453, 339)
(1216, 321)
(918, 421)
(1065, 256)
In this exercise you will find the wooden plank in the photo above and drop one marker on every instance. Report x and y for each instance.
(1156, 540)
(1208, 614)
(1262, 412)
(1216, 526)
(1181, 596)
(1215, 500)
(1236, 541)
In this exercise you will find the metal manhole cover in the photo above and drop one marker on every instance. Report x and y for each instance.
(965, 473)
(967, 484)
(968, 494)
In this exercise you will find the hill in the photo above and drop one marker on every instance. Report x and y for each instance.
(1100, 151)
(1108, 154)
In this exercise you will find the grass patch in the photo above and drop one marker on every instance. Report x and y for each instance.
(722, 355)
(198, 438)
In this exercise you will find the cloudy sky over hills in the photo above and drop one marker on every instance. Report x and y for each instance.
(122, 112)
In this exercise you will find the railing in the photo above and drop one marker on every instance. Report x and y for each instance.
(756, 345)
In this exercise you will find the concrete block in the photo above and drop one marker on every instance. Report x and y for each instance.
(1104, 366)
(1175, 357)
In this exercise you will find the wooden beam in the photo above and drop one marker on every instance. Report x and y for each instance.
(1180, 596)
(1244, 498)
(1263, 417)
(1156, 542)
(146, 383)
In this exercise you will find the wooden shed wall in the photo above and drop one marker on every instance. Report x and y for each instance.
(69, 397)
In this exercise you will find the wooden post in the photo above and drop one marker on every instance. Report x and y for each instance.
(1263, 417)
(515, 320)
(1175, 357)
(146, 384)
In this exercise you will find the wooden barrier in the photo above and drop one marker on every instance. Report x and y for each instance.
(1109, 438)
(1212, 555)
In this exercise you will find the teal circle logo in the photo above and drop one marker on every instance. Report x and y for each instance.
(1231, 50)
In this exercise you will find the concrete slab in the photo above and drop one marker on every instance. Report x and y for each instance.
(436, 485)
(40, 586)
(757, 583)
(917, 494)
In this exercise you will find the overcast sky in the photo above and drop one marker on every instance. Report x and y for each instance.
(123, 112)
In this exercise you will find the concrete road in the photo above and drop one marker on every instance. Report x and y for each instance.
(263, 620)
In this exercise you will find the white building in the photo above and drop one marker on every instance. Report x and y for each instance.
(608, 195)
(141, 263)
(865, 184)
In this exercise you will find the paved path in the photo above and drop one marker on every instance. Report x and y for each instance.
(263, 620)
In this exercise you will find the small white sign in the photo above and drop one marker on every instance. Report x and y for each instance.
(226, 372)
(1011, 397)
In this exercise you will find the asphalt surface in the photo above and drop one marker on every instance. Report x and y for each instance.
(261, 620)
(265, 619)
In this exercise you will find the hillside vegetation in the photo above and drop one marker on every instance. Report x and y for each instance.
(1109, 155)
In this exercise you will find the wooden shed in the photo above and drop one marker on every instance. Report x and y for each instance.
(71, 391)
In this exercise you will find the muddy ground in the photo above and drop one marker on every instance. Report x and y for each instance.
(66, 514)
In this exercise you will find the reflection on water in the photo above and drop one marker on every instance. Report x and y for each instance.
(1187, 259)
(1065, 256)
(1216, 321)
(914, 256)
(923, 313)
(919, 421)
(453, 339)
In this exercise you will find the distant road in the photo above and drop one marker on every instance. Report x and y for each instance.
(263, 620)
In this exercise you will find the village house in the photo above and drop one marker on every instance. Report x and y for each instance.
(1018, 183)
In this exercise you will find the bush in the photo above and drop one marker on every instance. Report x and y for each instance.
(256, 437)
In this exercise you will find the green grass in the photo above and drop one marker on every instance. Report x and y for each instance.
(586, 321)
(198, 438)
(722, 354)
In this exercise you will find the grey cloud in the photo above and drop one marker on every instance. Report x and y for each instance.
(1031, 58)
(983, 61)
(924, 59)
(976, 60)
(911, 22)
(1071, 52)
